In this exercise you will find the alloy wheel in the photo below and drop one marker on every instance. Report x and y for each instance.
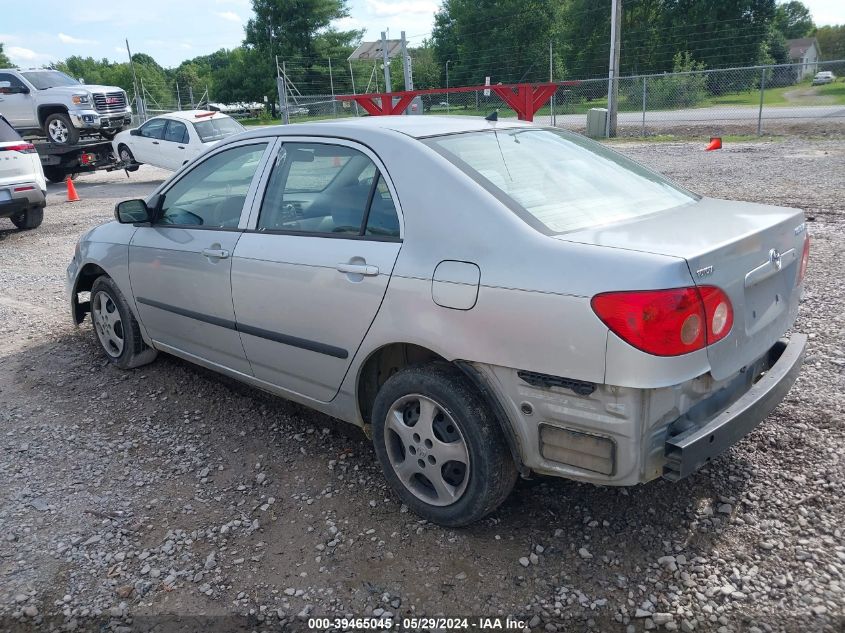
(108, 324)
(427, 450)
(58, 131)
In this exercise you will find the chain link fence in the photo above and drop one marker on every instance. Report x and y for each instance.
(752, 99)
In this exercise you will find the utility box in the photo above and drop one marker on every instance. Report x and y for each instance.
(415, 107)
(597, 122)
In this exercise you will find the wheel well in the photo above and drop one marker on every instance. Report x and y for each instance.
(46, 110)
(84, 281)
(381, 365)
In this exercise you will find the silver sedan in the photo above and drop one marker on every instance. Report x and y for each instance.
(485, 299)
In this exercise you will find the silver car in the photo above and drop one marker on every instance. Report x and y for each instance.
(485, 299)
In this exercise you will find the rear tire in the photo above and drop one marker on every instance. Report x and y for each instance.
(55, 174)
(115, 328)
(440, 446)
(29, 219)
(60, 130)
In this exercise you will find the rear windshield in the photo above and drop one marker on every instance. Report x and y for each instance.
(7, 132)
(558, 181)
(217, 128)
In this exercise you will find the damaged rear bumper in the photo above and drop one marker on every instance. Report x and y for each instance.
(694, 447)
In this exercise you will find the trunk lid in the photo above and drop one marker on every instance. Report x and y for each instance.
(751, 251)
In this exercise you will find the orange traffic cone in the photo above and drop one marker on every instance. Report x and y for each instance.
(715, 143)
(72, 196)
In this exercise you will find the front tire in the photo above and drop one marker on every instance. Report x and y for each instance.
(29, 219)
(115, 327)
(126, 156)
(440, 447)
(60, 130)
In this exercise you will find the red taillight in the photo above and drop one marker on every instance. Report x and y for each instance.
(667, 322)
(805, 259)
(23, 148)
(87, 159)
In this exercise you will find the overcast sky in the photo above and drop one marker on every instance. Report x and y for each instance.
(42, 31)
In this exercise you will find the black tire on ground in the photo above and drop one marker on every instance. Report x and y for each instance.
(62, 131)
(54, 174)
(492, 473)
(29, 219)
(124, 154)
(135, 352)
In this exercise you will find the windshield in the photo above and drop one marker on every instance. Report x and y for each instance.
(217, 128)
(44, 79)
(557, 181)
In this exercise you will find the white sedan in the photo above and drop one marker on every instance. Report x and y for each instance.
(171, 140)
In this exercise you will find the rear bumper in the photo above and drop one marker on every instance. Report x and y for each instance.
(690, 450)
(12, 201)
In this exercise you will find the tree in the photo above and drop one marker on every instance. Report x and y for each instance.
(793, 20)
(507, 40)
(297, 30)
(831, 41)
(5, 62)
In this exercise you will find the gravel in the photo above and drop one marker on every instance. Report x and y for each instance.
(169, 489)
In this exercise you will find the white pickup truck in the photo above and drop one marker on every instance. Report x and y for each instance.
(47, 102)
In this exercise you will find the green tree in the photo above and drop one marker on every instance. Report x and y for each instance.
(5, 62)
(301, 31)
(831, 41)
(793, 20)
(507, 40)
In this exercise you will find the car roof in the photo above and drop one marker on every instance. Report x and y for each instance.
(413, 126)
(191, 115)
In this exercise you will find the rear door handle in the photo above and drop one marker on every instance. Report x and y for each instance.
(155, 142)
(217, 253)
(181, 147)
(358, 269)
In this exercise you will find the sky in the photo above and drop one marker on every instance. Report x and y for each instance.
(38, 32)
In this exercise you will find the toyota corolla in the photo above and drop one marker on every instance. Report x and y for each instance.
(485, 299)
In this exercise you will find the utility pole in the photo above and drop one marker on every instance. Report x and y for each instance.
(406, 65)
(613, 72)
(551, 79)
(282, 88)
(139, 99)
(385, 61)
(178, 97)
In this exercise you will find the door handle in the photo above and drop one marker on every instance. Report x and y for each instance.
(217, 253)
(358, 269)
(181, 147)
(155, 142)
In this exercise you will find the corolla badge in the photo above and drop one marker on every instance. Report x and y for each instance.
(775, 258)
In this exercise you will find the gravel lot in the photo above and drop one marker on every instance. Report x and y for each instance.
(171, 490)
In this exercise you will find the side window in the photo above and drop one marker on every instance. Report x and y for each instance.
(153, 128)
(213, 193)
(177, 132)
(15, 84)
(382, 220)
(322, 188)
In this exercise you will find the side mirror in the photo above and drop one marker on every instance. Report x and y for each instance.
(132, 212)
(24, 90)
(135, 132)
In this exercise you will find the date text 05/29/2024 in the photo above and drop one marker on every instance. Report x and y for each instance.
(420, 624)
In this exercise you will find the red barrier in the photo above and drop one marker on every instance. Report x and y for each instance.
(524, 99)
